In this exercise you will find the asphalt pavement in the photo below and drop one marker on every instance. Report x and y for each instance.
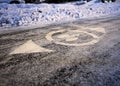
(79, 53)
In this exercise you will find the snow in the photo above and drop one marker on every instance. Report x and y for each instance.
(37, 15)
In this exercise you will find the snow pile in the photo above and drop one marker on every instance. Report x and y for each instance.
(42, 14)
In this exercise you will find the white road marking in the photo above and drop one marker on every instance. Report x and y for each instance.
(30, 47)
(71, 39)
(68, 37)
(72, 35)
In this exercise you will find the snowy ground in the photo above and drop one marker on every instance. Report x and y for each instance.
(37, 15)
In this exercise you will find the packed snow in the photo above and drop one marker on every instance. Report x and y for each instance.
(37, 15)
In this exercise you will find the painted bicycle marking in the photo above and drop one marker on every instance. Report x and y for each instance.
(79, 36)
(71, 37)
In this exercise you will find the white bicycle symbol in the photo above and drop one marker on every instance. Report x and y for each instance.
(80, 36)
(69, 37)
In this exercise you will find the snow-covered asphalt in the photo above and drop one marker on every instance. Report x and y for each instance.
(81, 53)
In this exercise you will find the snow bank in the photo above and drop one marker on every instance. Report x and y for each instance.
(43, 14)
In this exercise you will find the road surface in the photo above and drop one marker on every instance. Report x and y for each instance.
(81, 53)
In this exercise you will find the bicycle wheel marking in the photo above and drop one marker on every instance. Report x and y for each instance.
(65, 36)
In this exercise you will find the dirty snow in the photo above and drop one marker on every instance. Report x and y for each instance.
(37, 15)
